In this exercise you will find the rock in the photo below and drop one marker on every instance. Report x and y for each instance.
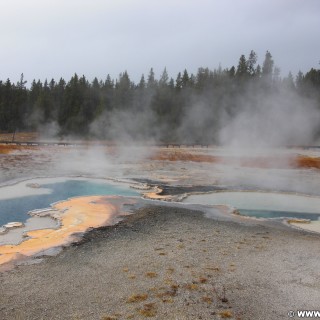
(49, 212)
(12, 225)
(236, 212)
(140, 187)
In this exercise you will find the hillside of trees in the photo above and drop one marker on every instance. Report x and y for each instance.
(189, 108)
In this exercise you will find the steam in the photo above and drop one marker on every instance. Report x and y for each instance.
(124, 126)
(244, 115)
(275, 120)
(88, 160)
(255, 117)
(198, 124)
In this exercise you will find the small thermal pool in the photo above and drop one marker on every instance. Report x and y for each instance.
(17, 200)
(263, 204)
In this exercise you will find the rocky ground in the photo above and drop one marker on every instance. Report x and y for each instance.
(170, 263)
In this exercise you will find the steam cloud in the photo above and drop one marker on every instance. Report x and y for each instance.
(274, 120)
(253, 118)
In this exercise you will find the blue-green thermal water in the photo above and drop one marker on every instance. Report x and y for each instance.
(263, 204)
(16, 209)
(274, 214)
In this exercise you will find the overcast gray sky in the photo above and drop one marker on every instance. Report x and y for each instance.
(56, 38)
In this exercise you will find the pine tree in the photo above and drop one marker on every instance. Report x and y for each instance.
(267, 67)
(164, 78)
(232, 72)
(185, 78)
(179, 83)
(151, 82)
(299, 80)
(289, 82)
(242, 69)
(251, 62)
(142, 83)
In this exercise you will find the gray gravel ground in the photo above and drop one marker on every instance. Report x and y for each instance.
(170, 263)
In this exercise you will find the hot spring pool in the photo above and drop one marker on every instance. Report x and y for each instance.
(17, 200)
(263, 204)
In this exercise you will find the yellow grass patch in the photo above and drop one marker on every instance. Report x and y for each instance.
(109, 318)
(137, 298)
(208, 300)
(191, 286)
(203, 280)
(151, 274)
(149, 310)
(225, 314)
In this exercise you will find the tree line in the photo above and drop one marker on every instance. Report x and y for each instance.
(162, 108)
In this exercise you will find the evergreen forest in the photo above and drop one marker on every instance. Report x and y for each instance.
(190, 108)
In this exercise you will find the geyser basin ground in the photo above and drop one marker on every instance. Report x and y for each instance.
(264, 204)
(175, 257)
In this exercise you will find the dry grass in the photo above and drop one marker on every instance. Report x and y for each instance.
(203, 280)
(170, 292)
(225, 314)
(151, 274)
(149, 310)
(167, 300)
(191, 286)
(207, 299)
(109, 318)
(137, 298)
(213, 268)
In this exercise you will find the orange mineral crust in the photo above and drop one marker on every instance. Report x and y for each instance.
(180, 155)
(6, 149)
(307, 162)
(262, 162)
(76, 215)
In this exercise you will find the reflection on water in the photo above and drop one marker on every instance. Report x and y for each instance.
(16, 209)
(262, 204)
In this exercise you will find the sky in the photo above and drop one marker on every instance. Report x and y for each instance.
(47, 39)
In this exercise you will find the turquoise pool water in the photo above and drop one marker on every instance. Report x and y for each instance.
(273, 214)
(52, 190)
(263, 204)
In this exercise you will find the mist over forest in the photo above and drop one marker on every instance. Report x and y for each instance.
(248, 104)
